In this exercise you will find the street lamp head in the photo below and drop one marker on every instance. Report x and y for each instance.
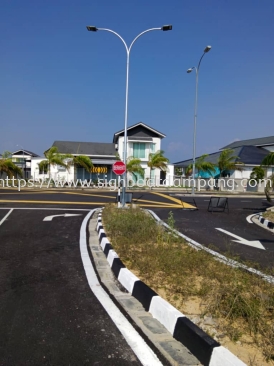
(207, 49)
(189, 70)
(166, 27)
(91, 28)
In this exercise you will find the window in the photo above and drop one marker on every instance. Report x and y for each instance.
(61, 168)
(43, 171)
(139, 150)
(18, 160)
(152, 148)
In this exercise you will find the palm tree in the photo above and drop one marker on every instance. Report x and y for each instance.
(202, 166)
(134, 167)
(81, 160)
(157, 160)
(7, 166)
(257, 173)
(53, 157)
(268, 161)
(227, 161)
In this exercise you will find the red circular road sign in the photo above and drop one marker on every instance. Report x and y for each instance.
(119, 168)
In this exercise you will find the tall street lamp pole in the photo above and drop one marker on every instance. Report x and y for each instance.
(128, 49)
(206, 50)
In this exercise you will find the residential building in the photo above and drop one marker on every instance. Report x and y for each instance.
(142, 140)
(249, 153)
(22, 158)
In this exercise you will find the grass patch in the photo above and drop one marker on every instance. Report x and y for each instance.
(269, 215)
(242, 302)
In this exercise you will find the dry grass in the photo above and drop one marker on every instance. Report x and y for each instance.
(269, 215)
(242, 302)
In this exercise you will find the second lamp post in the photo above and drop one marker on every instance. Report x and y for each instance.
(207, 49)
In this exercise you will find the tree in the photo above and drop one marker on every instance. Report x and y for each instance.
(157, 160)
(81, 160)
(227, 161)
(257, 173)
(6, 154)
(134, 167)
(53, 157)
(202, 166)
(7, 166)
(268, 161)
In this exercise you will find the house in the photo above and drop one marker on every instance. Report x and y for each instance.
(22, 158)
(142, 140)
(102, 155)
(249, 153)
(261, 142)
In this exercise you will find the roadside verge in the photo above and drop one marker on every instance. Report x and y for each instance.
(205, 348)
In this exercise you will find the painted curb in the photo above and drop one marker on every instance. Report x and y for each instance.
(208, 351)
(265, 222)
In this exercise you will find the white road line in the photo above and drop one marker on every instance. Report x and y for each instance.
(46, 208)
(144, 353)
(10, 211)
(249, 218)
(246, 201)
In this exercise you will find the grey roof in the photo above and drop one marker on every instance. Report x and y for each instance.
(141, 125)
(261, 141)
(26, 152)
(85, 148)
(251, 155)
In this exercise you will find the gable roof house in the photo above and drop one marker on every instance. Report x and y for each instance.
(142, 140)
(22, 158)
(249, 153)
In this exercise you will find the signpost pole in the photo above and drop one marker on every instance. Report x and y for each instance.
(119, 168)
(119, 191)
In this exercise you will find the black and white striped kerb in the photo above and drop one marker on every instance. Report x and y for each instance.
(203, 347)
(267, 223)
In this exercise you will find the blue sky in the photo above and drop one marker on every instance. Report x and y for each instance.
(61, 82)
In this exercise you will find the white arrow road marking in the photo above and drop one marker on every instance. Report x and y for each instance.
(248, 219)
(252, 243)
(49, 218)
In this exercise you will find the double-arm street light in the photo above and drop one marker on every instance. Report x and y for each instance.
(128, 49)
(207, 49)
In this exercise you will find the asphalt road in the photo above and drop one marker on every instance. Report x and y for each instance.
(201, 226)
(49, 315)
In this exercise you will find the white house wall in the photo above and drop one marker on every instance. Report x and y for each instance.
(56, 173)
(156, 175)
